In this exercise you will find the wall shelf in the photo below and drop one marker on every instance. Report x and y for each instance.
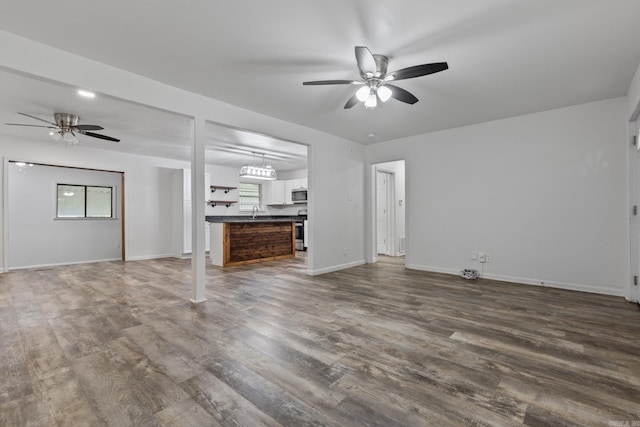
(227, 203)
(222, 187)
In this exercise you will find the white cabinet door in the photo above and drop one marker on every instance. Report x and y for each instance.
(298, 183)
(275, 194)
(288, 186)
(267, 192)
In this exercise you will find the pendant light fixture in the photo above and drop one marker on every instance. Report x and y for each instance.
(263, 172)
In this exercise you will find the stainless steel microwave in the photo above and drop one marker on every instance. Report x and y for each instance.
(299, 195)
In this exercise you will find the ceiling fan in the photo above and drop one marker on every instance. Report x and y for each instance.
(66, 126)
(374, 77)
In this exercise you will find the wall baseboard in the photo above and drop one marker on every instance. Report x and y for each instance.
(529, 281)
(148, 257)
(335, 268)
(26, 267)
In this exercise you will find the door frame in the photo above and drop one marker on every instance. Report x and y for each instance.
(390, 208)
(633, 294)
(371, 241)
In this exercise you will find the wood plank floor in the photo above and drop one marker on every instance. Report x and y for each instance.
(118, 344)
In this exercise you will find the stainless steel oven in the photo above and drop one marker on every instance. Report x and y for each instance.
(299, 235)
(302, 233)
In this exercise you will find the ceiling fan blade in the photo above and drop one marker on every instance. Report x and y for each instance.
(366, 62)
(38, 118)
(97, 135)
(333, 82)
(351, 102)
(417, 71)
(89, 127)
(33, 126)
(402, 95)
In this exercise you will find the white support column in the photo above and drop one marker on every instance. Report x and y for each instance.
(197, 212)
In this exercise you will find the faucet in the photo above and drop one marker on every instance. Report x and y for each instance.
(254, 211)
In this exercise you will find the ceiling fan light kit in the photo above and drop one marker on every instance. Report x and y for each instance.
(374, 77)
(67, 137)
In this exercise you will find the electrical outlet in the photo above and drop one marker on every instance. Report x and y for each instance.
(489, 257)
(474, 256)
(346, 251)
(482, 257)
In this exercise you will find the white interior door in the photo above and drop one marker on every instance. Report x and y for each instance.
(382, 212)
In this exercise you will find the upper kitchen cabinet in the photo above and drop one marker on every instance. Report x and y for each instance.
(288, 186)
(278, 193)
(274, 193)
(299, 183)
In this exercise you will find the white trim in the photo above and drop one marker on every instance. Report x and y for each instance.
(335, 268)
(633, 294)
(528, 281)
(157, 256)
(57, 264)
(390, 207)
(371, 226)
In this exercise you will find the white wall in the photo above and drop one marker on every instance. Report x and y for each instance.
(545, 193)
(633, 96)
(336, 205)
(335, 166)
(37, 238)
(148, 183)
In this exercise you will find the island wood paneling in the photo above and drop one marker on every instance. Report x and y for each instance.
(246, 243)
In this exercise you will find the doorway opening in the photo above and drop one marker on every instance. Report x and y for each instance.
(229, 148)
(388, 209)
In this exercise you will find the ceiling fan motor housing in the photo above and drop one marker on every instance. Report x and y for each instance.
(381, 65)
(66, 121)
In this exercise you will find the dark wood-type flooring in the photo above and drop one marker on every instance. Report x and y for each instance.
(119, 344)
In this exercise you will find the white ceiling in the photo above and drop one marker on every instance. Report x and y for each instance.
(506, 58)
(142, 130)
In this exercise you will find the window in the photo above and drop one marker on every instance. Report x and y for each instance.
(250, 195)
(84, 201)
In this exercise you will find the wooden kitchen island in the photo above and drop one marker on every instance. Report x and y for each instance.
(238, 240)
